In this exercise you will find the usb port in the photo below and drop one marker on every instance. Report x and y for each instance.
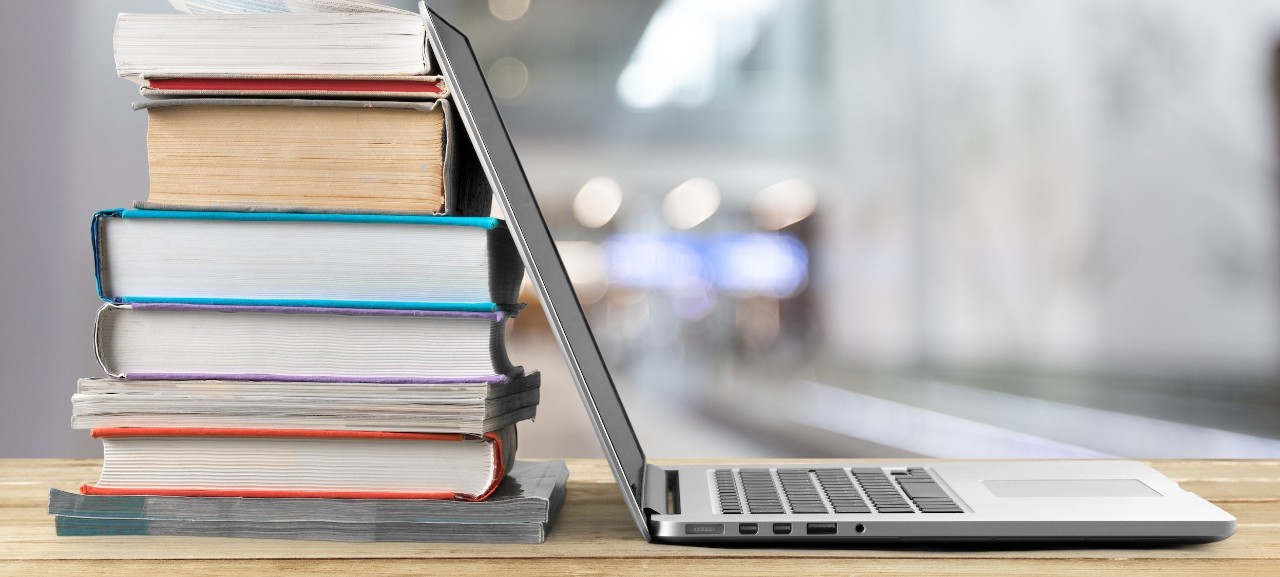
(782, 528)
(821, 528)
(748, 528)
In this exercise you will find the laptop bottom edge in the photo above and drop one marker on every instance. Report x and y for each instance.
(880, 532)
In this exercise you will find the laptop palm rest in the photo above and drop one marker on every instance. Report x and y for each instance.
(1059, 488)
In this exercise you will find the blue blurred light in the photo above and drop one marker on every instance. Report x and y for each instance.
(766, 264)
(745, 264)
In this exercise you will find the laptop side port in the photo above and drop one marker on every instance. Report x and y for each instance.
(782, 528)
(748, 528)
(820, 528)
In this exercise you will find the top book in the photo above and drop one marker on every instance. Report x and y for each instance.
(384, 42)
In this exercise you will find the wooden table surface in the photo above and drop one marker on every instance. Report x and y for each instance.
(594, 536)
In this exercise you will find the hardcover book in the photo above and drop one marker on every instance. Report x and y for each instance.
(285, 463)
(283, 154)
(383, 42)
(299, 259)
(314, 344)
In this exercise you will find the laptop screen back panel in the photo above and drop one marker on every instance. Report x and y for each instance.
(479, 114)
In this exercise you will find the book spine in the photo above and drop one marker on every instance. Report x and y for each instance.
(505, 269)
(467, 190)
(95, 236)
(100, 348)
(503, 454)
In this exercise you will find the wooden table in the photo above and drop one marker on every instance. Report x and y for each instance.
(594, 536)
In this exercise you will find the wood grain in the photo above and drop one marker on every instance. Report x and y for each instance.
(595, 536)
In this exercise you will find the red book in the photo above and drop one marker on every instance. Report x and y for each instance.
(345, 87)
(199, 462)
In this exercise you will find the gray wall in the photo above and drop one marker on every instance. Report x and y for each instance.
(70, 145)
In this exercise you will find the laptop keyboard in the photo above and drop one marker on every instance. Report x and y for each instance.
(821, 491)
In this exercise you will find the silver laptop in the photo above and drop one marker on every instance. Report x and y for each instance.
(828, 503)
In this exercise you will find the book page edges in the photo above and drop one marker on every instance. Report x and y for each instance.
(503, 453)
(261, 493)
(117, 432)
(475, 307)
(177, 212)
(465, 191)
(335, 86)
(101, 336)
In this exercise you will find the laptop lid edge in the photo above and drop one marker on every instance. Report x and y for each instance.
(498, 159)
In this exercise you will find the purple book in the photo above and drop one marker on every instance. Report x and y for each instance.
(308, 344)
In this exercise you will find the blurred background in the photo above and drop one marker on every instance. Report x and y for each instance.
(825, 228)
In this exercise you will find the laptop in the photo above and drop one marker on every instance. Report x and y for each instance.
(947, 502)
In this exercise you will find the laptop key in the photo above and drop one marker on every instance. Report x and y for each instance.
(915, 490)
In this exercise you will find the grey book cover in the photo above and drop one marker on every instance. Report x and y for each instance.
(520, 511)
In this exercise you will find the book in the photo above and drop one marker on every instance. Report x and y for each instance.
(279, 6)
(300, 259)
(315, 344)
(360, 85)
(521, 510)
(287, 463)
(295, 86)
(531, 492)
(471, 408)
(386, 42)
(285, 154)
(531, 533)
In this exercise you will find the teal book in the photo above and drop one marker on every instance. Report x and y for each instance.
(306, 260)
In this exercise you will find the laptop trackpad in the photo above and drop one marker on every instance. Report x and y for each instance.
(1069, 488)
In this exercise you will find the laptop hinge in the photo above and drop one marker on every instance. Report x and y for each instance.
(661, 491)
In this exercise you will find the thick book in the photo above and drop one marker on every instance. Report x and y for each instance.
(301, 259)
(287, 463)
(311, 155)
(386, 42)
(295, 86)
(311, 344)
(366, 532)
(531, 492)
(471, 408)
(522, 510)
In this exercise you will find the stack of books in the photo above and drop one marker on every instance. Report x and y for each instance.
(304, 321)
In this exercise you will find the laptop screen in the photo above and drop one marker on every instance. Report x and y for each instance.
(479, 114)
